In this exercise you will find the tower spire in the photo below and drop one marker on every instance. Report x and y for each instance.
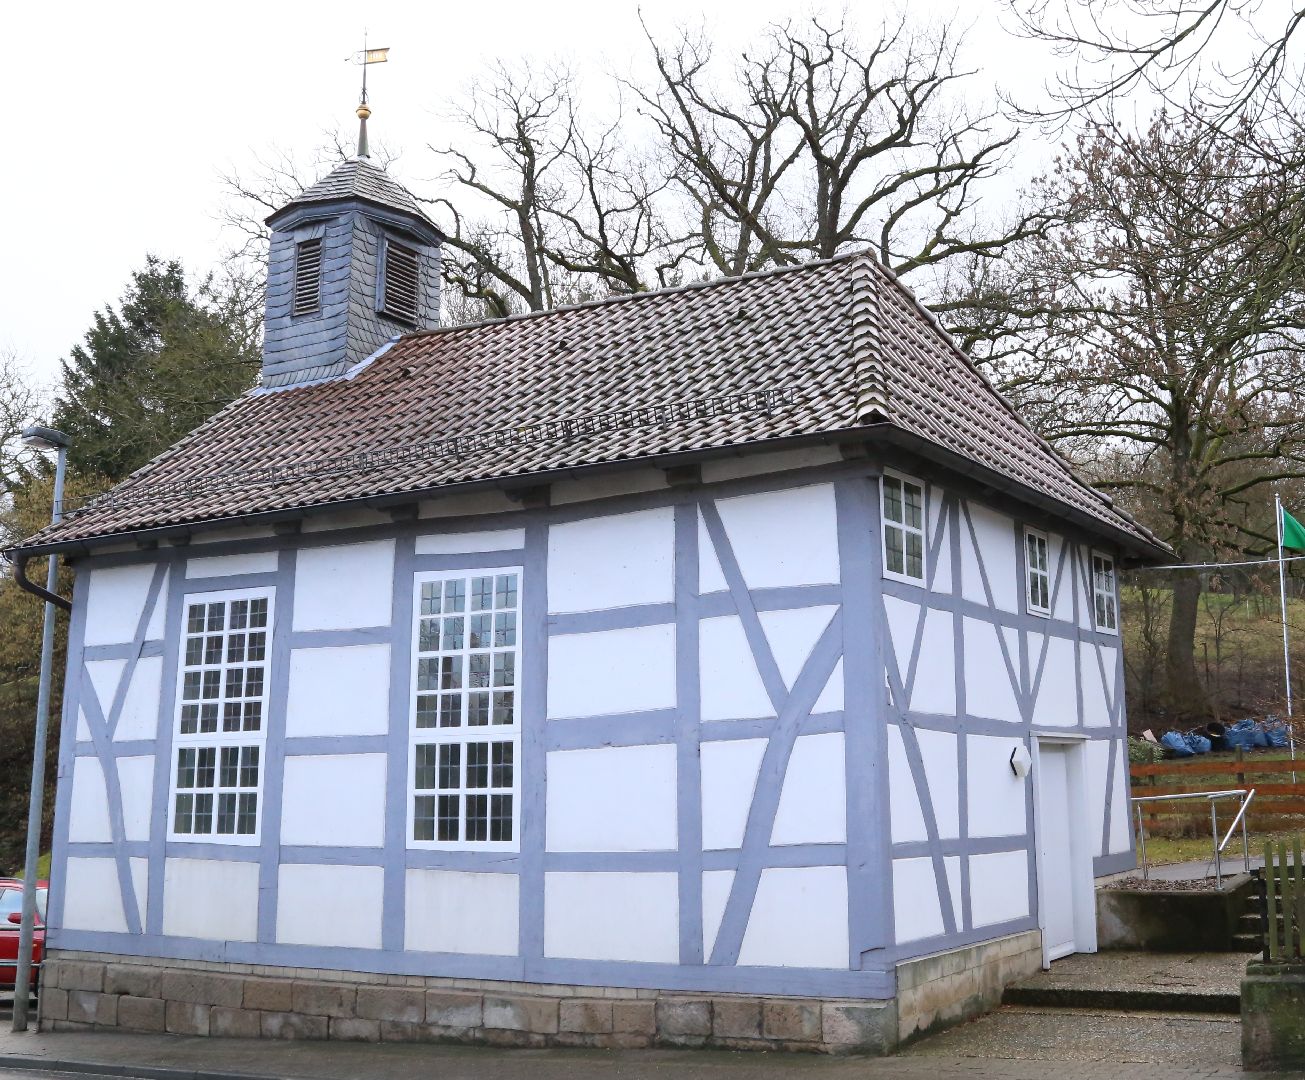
(366, 57)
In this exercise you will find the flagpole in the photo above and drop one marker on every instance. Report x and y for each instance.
(1286, 653)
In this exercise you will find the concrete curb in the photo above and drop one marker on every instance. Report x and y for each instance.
(1127, 1000)
(22, 1062)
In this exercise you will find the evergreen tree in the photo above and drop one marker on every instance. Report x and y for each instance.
(154, 368)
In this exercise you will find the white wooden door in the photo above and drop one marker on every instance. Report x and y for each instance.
(1057, 874)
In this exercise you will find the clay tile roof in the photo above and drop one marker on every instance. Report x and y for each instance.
(358, 178)
(834, 349)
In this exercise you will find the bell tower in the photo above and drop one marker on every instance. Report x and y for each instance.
(354, 262)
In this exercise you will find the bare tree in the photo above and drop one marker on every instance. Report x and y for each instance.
(1163, 329)
(22, 402)
(1182, 50)
(826, 141)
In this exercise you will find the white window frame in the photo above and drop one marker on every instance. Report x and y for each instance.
(464, 734)
(1112, 596)
(220, 739)
(1031, 573)
(907, 530)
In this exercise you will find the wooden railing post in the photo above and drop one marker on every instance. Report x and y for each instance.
(1270, 903)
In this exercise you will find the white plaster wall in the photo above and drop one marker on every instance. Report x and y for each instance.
(938, 752)
(255, 562)
(1062, 608)
(611, 671)
(731, 687)
(710, 576)
(1057, 701)
(626, 482)
(104, 677)
(1121, 827)
(612, 561)
(799, 919)
(1096, 703)
(996, 796)
(216, 900)
(612, 916)
(952, 864)
(335, 799)
(454, 912)
(92, 897)
(619, 798)
(935, 677)
(831, 697)
(999, 887)
(140, 708)
(88, 809)
(792, 634)
(752, 464)
(136, 781)
(345, 586)
(222, 536)
(904, 805)
(766, 553)
(1096, 760)
(917, 912)
(329, 905)
(813, 801)
(339, 691)
(114, 602)
(729, 778)
(467, 504)
(456, 543)
(996, 544)
(716, 885)
(988, 689)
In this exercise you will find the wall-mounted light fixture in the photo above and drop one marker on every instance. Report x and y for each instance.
(1020, 761)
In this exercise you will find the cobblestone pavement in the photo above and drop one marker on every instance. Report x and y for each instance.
(1011, 1044)
(1118, 969)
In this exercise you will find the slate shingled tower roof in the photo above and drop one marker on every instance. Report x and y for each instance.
(834, 351)
(356, 178)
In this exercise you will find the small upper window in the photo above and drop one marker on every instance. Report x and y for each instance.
(1103, 592)
(308, 277)
(401, 287)
(903, 510)
(1039, 577)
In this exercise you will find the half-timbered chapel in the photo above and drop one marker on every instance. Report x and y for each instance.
(721, 665)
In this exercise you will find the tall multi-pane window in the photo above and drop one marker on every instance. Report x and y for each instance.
(1037, 572)
(222, 687)
(1103, 592)
(465, 735)
(903, 514)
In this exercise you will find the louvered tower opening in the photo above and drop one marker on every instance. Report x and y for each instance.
(308, 277)
(402, 283)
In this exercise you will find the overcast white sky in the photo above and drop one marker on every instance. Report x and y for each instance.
(121, 117)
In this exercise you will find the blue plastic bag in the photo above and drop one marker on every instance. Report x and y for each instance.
(1175, 742)
(1197, 744)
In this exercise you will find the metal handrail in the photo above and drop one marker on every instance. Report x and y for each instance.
(1212, 797)
(1241, 817)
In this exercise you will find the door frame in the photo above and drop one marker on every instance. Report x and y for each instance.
(1082, 841)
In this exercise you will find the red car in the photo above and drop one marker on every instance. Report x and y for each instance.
(11, 915)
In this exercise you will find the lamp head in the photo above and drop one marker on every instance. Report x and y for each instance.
(44, 438)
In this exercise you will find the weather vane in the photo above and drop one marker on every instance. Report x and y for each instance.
(364, 58)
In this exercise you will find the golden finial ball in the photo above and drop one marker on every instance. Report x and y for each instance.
(364, 112)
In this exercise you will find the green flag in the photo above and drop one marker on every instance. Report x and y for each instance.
(1293, 533)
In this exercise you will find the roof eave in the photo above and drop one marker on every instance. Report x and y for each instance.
(883, 433)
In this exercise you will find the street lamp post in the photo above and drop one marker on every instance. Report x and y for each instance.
(38, 438)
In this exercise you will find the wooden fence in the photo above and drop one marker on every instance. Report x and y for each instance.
(1279, 789)
(1284, 901)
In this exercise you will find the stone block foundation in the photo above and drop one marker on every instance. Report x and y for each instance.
(934, 992)
(94, 991)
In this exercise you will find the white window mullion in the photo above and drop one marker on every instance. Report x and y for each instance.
(1037, 572)
(465, 703)
(220, 727)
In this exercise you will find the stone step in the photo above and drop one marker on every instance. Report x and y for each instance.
(1247, 942)
(1130, 999)
(1137, 981)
